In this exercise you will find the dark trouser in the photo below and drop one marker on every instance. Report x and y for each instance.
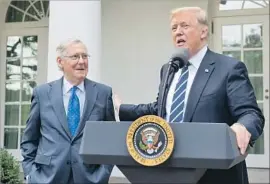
(70, 179)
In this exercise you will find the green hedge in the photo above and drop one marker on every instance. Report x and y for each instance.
(9, 168)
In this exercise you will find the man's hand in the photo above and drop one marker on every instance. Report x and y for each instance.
(27, 179)
(242, 136)
(117, 102)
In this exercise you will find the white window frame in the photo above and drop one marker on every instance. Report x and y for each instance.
(39, 28)
(253, 160)
(232, 13)
(22, 29)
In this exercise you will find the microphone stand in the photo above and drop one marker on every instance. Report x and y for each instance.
(175, 65)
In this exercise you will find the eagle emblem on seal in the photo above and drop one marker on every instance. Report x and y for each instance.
(150, 140)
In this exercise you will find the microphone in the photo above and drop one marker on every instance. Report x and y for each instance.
(178, 60)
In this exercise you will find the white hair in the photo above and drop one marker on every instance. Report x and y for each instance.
(62, 47)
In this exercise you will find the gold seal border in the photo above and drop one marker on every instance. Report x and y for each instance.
(130, 144)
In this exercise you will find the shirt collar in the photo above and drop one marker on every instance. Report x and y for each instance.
(67, 86)
(197, 58)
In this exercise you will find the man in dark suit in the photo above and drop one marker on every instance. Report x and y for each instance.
(210, 88)
(51, 141)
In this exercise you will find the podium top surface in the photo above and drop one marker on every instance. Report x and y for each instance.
(197, 145)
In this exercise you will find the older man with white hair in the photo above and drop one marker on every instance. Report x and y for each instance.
(54, 129)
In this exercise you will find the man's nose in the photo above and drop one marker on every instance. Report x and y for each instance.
(179, 31)
(81, 60)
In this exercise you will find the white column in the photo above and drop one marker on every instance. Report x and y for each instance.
(75, 19)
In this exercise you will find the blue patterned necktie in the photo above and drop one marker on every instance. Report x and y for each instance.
(73, 116)
(177, 108)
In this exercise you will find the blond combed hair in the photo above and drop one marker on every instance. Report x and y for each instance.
(200, 13)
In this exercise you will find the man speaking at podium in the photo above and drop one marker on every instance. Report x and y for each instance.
(209, 87)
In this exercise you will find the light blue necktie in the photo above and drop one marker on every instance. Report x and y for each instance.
(73, 116)
(177, 108)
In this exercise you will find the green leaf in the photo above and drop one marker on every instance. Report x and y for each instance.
(9, 168)
(142, 146)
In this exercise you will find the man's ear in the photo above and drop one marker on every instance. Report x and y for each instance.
(204, 33)
(59, 62)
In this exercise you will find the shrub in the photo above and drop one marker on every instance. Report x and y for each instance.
(9, 168)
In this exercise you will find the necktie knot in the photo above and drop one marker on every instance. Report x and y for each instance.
(74, 89)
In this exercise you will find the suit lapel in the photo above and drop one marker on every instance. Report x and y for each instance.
(56, 97)
(205, 70)
(90, 99)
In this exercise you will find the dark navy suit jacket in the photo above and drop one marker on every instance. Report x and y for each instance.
(224, 94)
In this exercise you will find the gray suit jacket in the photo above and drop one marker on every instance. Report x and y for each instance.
(224, 94)
(50, 153)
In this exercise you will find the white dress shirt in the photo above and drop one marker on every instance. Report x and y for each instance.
(80, 92)
(195, 62)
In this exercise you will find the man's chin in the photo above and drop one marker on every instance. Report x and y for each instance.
(181, 46)
(81, 77)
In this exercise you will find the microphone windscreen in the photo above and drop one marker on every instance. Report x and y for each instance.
(180, 54)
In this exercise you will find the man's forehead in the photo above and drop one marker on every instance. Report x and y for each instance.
(77, 47)
(183, 17)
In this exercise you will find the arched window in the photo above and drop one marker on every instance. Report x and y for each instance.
(27, 11)
(242, 4)
(24, 60)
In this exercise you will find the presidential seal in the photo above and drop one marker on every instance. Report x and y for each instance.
(150, 140)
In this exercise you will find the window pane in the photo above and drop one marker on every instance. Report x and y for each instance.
(234, 54)
(11, 138)
(29, 69)
(46, 6)
(13, 15)
(242, 4)
(12, 115)
(13, 91)
(28, 90)
(252, 35)
(252, 5)
(257, 83)
(231, 5)
(19, 10)
(32, 12)
(39, 8)
(21, 4)
(258, 147)
(253, 60)
(22, 131)
(30, 46)
(261, 106)
(231, 36)
(14, 46)
(25, 112)
(13, 69)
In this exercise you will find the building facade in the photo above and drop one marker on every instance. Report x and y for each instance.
(127, 40)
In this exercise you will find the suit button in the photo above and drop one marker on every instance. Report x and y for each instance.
(68, 162)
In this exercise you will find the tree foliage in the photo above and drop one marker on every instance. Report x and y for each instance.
(9, 168)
